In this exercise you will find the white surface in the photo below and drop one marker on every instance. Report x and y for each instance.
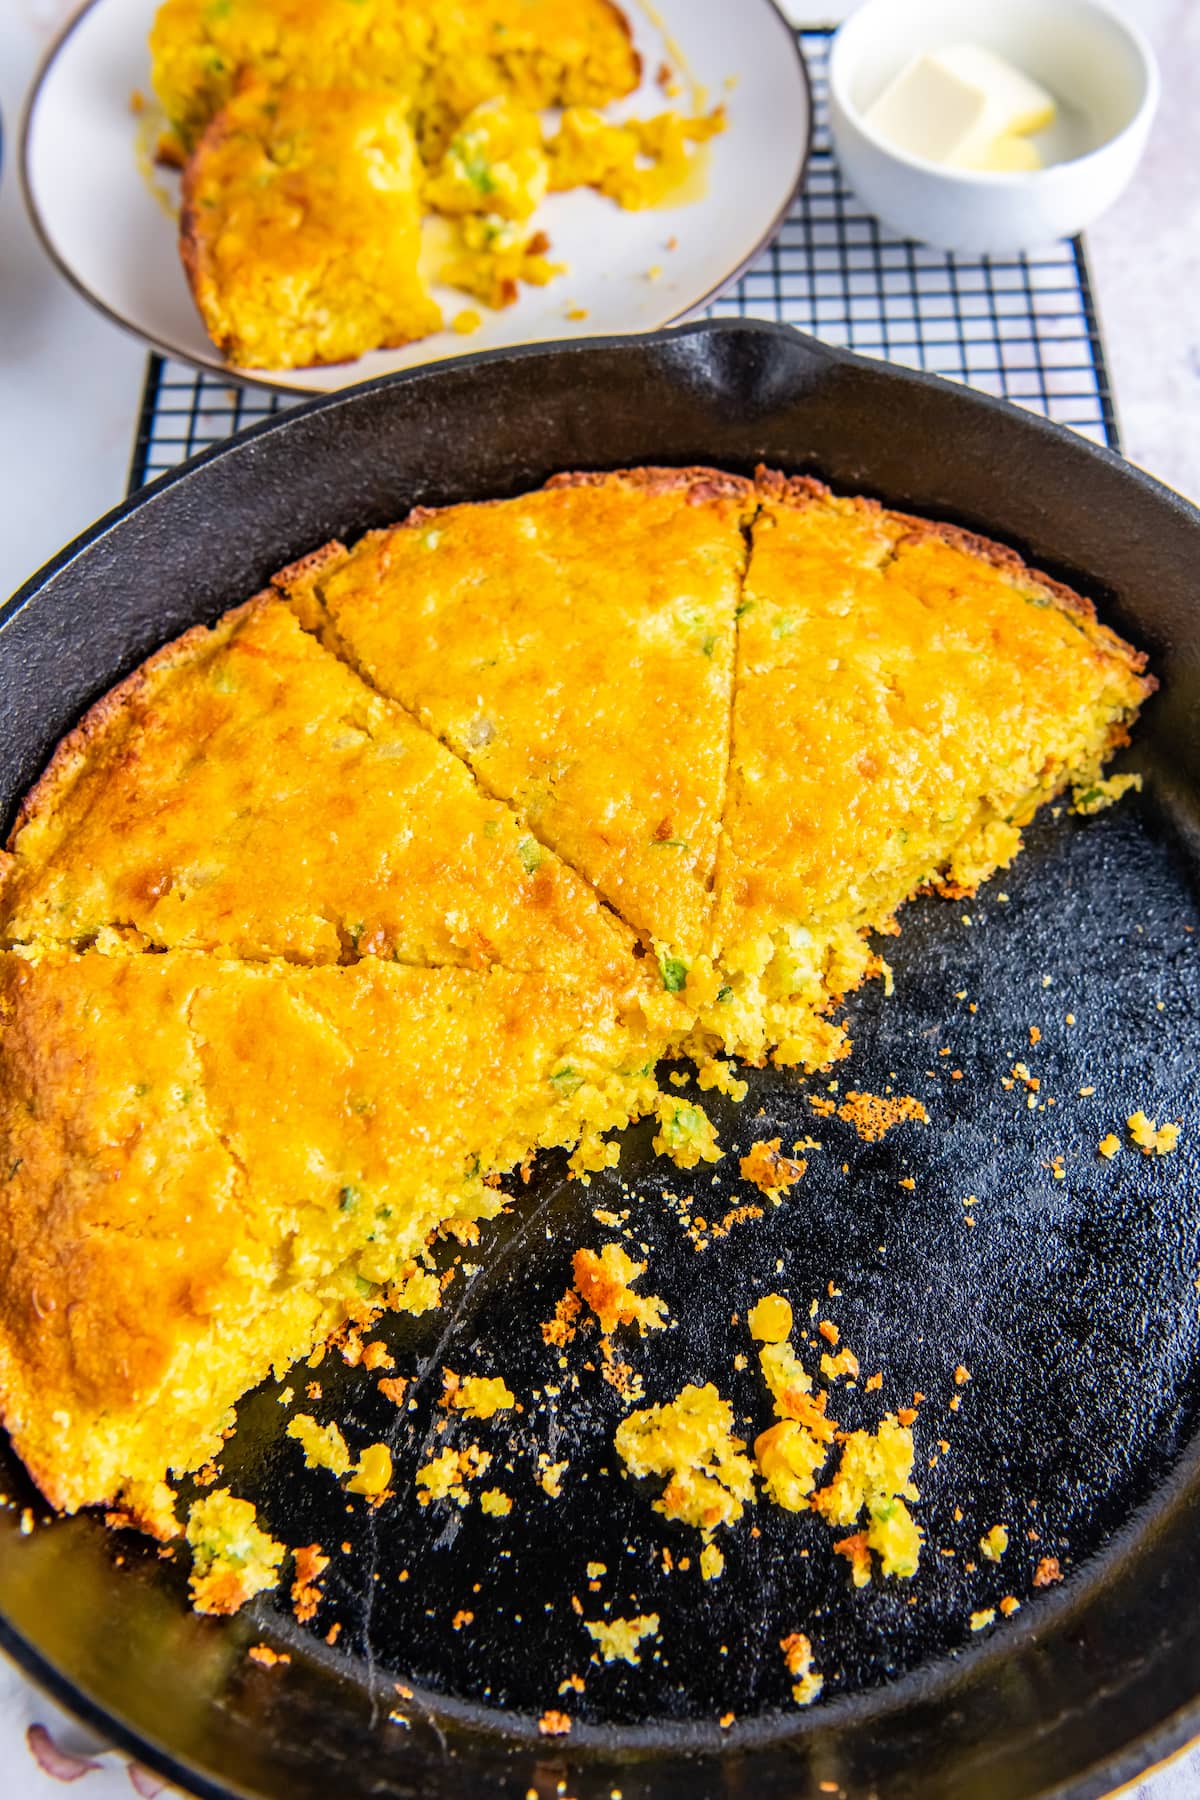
(70, 386)
(1098, 66)
(106, 220)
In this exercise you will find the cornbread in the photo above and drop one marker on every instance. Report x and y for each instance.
(638, 163)
(443, 57)
(495, 163)
(245, 793)
(538, 636)
(233, 1558)
(907, 697)
(211, 1164)
(420, 861)
(301, 227)
(690, 1441)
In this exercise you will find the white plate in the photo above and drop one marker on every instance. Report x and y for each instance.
(106, 216)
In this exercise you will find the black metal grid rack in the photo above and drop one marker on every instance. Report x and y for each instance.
(1023, 327)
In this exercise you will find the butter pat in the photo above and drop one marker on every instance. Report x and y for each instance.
(965, 107)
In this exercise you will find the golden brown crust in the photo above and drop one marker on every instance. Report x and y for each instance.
(113, 709)
(702, 484)
(306, 567)
(806, 490)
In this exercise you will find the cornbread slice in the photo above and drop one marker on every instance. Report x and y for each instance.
(208, 1166)
(575, 646)
(244, 792)
(443, 56)
(301, 227)
(907, 696)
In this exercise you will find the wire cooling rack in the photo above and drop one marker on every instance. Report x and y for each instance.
(1023, 327)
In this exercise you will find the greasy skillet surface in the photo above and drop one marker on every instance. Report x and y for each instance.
(1072, 1303)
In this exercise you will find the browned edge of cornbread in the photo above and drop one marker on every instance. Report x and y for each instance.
(106, 715)
(802, 489)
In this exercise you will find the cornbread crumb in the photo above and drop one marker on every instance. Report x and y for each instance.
(444, 1477)
(772, 1173)
(798, 1660)
(770, 1319)
(495, 1502)
(712, 1563)
(1009, 1605)
(618, 1641)
(874, 1475)
(232, 1557)
(994, 1542)
(263, 1653)
(311, 1561)
(604, 1282)
(690, 1440)
(715, 1073)
(324, 1446)
(393, 1388)
(561, 1328)
(1109, 1145)
(477, 1396)
(1047, 1572)
(685, 1133)
(874, 1115)
(1100, 794)
(981, 1620)
(554, 1724)
(466, 321)
(1150, 1138)
(845, 1363)
(550, 1476)
(961, 1375)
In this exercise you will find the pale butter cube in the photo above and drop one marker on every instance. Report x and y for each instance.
(963, 106)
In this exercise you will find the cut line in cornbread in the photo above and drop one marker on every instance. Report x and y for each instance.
(575, 647)
(245, 793)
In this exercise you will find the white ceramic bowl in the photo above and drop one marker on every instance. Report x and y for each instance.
(1098, 66)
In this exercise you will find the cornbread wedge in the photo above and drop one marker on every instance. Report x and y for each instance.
(441, 56)
(301, 227)
(208, 1166)
(245, 793)
(575, 646)
(907, 697)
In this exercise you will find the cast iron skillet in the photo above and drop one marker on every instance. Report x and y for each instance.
(1073, 1303)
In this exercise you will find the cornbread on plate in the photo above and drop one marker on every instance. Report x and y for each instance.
(443, 57)
(301, 227)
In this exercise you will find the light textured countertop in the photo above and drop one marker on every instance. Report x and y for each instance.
(71, 383)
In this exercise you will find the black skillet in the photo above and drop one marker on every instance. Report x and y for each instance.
(1073, 1303)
